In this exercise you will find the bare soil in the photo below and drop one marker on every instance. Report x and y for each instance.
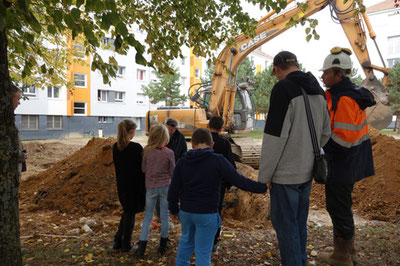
(71, 179)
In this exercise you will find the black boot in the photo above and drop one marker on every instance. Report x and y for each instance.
(139, 253)
(163, 245)
(118, 235)
(129, 223)
(117, 242)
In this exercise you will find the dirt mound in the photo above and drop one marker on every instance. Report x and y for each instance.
(376, 197)
(82, 183)
(241, 205)
(85, 183)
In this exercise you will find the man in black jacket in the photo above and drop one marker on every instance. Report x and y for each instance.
(349, 151)
(221, 146)
(177, 141)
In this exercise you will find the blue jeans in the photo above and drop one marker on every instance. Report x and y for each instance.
(152, 195)
(198, 231)
(289, 213)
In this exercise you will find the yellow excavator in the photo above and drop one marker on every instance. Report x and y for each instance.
(226, 97)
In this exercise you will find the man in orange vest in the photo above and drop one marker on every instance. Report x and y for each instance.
(349, 151)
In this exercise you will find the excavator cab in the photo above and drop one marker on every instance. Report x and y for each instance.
(244, 107)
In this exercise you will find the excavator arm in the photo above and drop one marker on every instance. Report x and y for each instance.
(223, 87)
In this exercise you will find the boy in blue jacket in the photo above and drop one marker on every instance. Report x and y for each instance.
(193, 196)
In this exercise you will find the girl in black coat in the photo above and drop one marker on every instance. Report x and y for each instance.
(127, 157)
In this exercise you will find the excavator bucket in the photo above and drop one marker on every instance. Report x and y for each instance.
(379, 116)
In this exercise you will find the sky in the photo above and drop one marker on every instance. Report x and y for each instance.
(310, 54)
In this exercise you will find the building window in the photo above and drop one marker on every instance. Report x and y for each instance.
(119, 96)
(80, 80)
(102, 96)
(106, 119)
(183, 60)
(393, 50)
(197, 73)
(54, 122)
(29, 90)
(183, 80)
(79, 108)
(140, 98)
(121, 71)
(394, 45)
(153, 76)
(141, 74)
(79, 51)
(393, 61)
(137, 121)
(108, 43)
(29, 122)
(53, 92)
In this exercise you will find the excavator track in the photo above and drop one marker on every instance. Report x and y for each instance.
(246, 151)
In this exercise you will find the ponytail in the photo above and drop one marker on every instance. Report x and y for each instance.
(123, 133)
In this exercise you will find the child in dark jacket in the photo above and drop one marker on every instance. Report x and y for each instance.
(221, 146)
(193, 196)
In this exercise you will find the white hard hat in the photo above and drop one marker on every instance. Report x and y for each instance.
(340, 59)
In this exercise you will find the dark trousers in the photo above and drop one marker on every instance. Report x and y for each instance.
(124, 234)
(289, 213)
(221, 201)
(338, 205)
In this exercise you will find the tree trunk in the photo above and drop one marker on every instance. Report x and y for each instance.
(10, 245)
(396, 123)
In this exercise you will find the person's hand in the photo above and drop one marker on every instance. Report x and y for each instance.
(175, 217)
(269, 185)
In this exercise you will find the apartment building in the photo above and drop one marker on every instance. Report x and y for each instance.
(92, 108)
(385, 18)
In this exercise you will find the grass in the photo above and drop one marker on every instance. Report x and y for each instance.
(389, 132)
(254, 134)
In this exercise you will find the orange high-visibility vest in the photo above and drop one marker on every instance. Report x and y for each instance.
(348, 122)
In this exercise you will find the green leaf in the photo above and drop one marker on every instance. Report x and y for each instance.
(121, 29)
(90, 5)
(69, 21)
(308, 30)
(308, 38)
(105, 21)
(76, 13)
(110, 4)
(79, 3)
(51, 71)
(52, 29)
(34, 23)
(114, 18)
(118, 42)
(139, 59)
(57, 16)
(112, 61)
(30, 38)
(43, 68)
